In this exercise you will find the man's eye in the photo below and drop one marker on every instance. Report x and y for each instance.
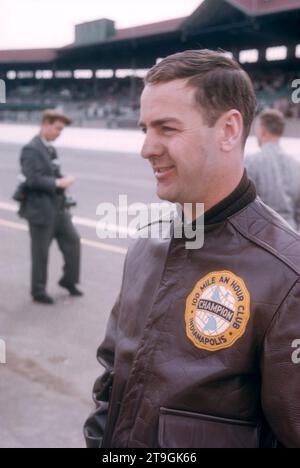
(168, 129)
(144, 130)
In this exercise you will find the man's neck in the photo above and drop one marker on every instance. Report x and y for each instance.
(243, 194)
(271, 141)
(193, 211)
(44, 139)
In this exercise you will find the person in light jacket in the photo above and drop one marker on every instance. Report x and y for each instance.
(276, 174)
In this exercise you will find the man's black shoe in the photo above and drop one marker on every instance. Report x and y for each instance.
(43, 299)
(71, 288)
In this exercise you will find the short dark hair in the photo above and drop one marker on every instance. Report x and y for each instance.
(220, 83)
(273, 121)
(52, 115)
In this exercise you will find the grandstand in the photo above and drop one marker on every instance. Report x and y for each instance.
(98, 78)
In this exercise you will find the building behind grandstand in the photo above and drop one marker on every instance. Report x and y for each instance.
(98, 78)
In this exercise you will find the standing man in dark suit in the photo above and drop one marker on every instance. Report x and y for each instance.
(46, 210)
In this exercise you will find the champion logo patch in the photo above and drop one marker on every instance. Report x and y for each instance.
(217, 311)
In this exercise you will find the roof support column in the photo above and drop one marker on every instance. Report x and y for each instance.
(262, 51)
(133, 83)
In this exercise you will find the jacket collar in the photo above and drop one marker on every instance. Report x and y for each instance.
(244, 194)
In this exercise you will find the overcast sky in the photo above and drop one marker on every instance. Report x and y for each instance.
(50, 23)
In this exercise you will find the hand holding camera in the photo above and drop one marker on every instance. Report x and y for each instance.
(65, 182)
(20, 192)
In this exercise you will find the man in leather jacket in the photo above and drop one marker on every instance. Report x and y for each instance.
(200, 347)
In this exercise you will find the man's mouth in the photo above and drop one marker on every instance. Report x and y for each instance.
(163, 172)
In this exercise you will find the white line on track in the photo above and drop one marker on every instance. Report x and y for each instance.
(84, 222)
(93, 244)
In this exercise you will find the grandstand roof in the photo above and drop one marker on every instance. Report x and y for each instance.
(31, 56)
(263, 7)
(148, 30)
(136, 32)
(229, 24)
(27, 55)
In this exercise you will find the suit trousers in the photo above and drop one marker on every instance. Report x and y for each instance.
(63, 230)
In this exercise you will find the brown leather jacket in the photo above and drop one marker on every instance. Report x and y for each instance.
(198, 350)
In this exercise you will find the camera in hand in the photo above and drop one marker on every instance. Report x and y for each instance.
(20, 193)
(70, 201)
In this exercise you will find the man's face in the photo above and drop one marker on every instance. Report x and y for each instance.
(179, 146)
(51, 131)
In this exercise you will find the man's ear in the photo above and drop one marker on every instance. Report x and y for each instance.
(231, 130)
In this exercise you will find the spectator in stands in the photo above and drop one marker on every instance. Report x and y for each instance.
(276, 174)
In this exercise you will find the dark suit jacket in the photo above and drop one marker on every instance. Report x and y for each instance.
(39, 207)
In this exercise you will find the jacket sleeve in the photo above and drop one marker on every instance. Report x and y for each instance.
(33, 170)
(95, 425)
(281, 373)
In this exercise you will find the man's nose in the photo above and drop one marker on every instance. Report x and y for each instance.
(152, 147)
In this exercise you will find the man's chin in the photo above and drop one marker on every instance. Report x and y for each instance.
(166, 194)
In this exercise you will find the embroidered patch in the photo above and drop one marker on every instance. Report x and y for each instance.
(217, 311)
